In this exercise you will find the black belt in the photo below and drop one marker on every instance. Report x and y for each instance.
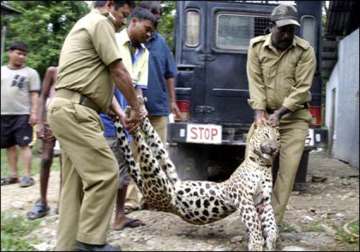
(78, 98)
(270, 111)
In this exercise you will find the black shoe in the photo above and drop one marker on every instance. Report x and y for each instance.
(80, 246)
(300, 187)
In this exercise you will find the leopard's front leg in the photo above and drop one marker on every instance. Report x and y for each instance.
(267, 217)
(252, 222)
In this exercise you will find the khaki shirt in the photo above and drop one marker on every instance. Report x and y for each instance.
(281, 78)
(138, 64)
(88, 50)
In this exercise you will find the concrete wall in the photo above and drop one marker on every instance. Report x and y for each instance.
(342, 112)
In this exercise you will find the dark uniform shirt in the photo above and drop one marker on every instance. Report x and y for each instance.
(281, 78)
(87, 52)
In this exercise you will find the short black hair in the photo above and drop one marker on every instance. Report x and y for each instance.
(153, 6)
(117, 3)
(17, 45)
(143, 14)
(99, 3)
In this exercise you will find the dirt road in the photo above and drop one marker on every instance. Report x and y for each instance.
(314, 219)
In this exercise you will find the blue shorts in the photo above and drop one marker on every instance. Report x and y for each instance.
(15, 130)
(124, 176)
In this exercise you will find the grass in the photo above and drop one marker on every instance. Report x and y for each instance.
(287, 228)
(314, 227)
(350, 234)
(347, 236)
(36, 158)
(13, 230)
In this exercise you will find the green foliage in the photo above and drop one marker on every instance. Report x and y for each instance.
(167, 23)
(314, 227)
(286, 227)
(43, 26)
(349, 233)
(13, 230)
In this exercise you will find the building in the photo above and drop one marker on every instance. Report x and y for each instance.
(342, 88)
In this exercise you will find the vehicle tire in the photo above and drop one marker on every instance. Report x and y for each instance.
(190, 161)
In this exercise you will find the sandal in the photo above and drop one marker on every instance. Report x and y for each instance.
(9, 180)
(39, 210)
(26, 181)
(131, 223)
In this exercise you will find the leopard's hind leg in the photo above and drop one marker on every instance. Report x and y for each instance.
(159, 150)
(133, 168)
(158, 189)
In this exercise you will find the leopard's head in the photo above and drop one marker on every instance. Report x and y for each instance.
(265, 142)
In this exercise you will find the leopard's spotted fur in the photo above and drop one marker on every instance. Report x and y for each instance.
(200, 202)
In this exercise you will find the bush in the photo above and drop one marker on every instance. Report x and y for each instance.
(13, 230)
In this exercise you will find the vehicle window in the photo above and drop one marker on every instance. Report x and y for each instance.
(308, 25)
(262, 26)
(192, 28)
(233, 31)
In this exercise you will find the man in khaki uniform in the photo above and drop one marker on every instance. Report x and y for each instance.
(280, 69)
(89, 59)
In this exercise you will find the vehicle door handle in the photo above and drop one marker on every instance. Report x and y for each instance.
(206, 57)
(204, 109)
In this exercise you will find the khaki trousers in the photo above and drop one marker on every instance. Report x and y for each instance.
(134, 198)
(292, 140)
(89, 174)
(160, 125)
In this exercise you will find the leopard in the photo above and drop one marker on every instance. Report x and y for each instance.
(247, 190)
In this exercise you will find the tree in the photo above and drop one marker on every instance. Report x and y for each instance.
(167, 22)
(43, 26)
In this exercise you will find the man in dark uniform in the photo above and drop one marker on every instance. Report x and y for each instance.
(280, 69)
